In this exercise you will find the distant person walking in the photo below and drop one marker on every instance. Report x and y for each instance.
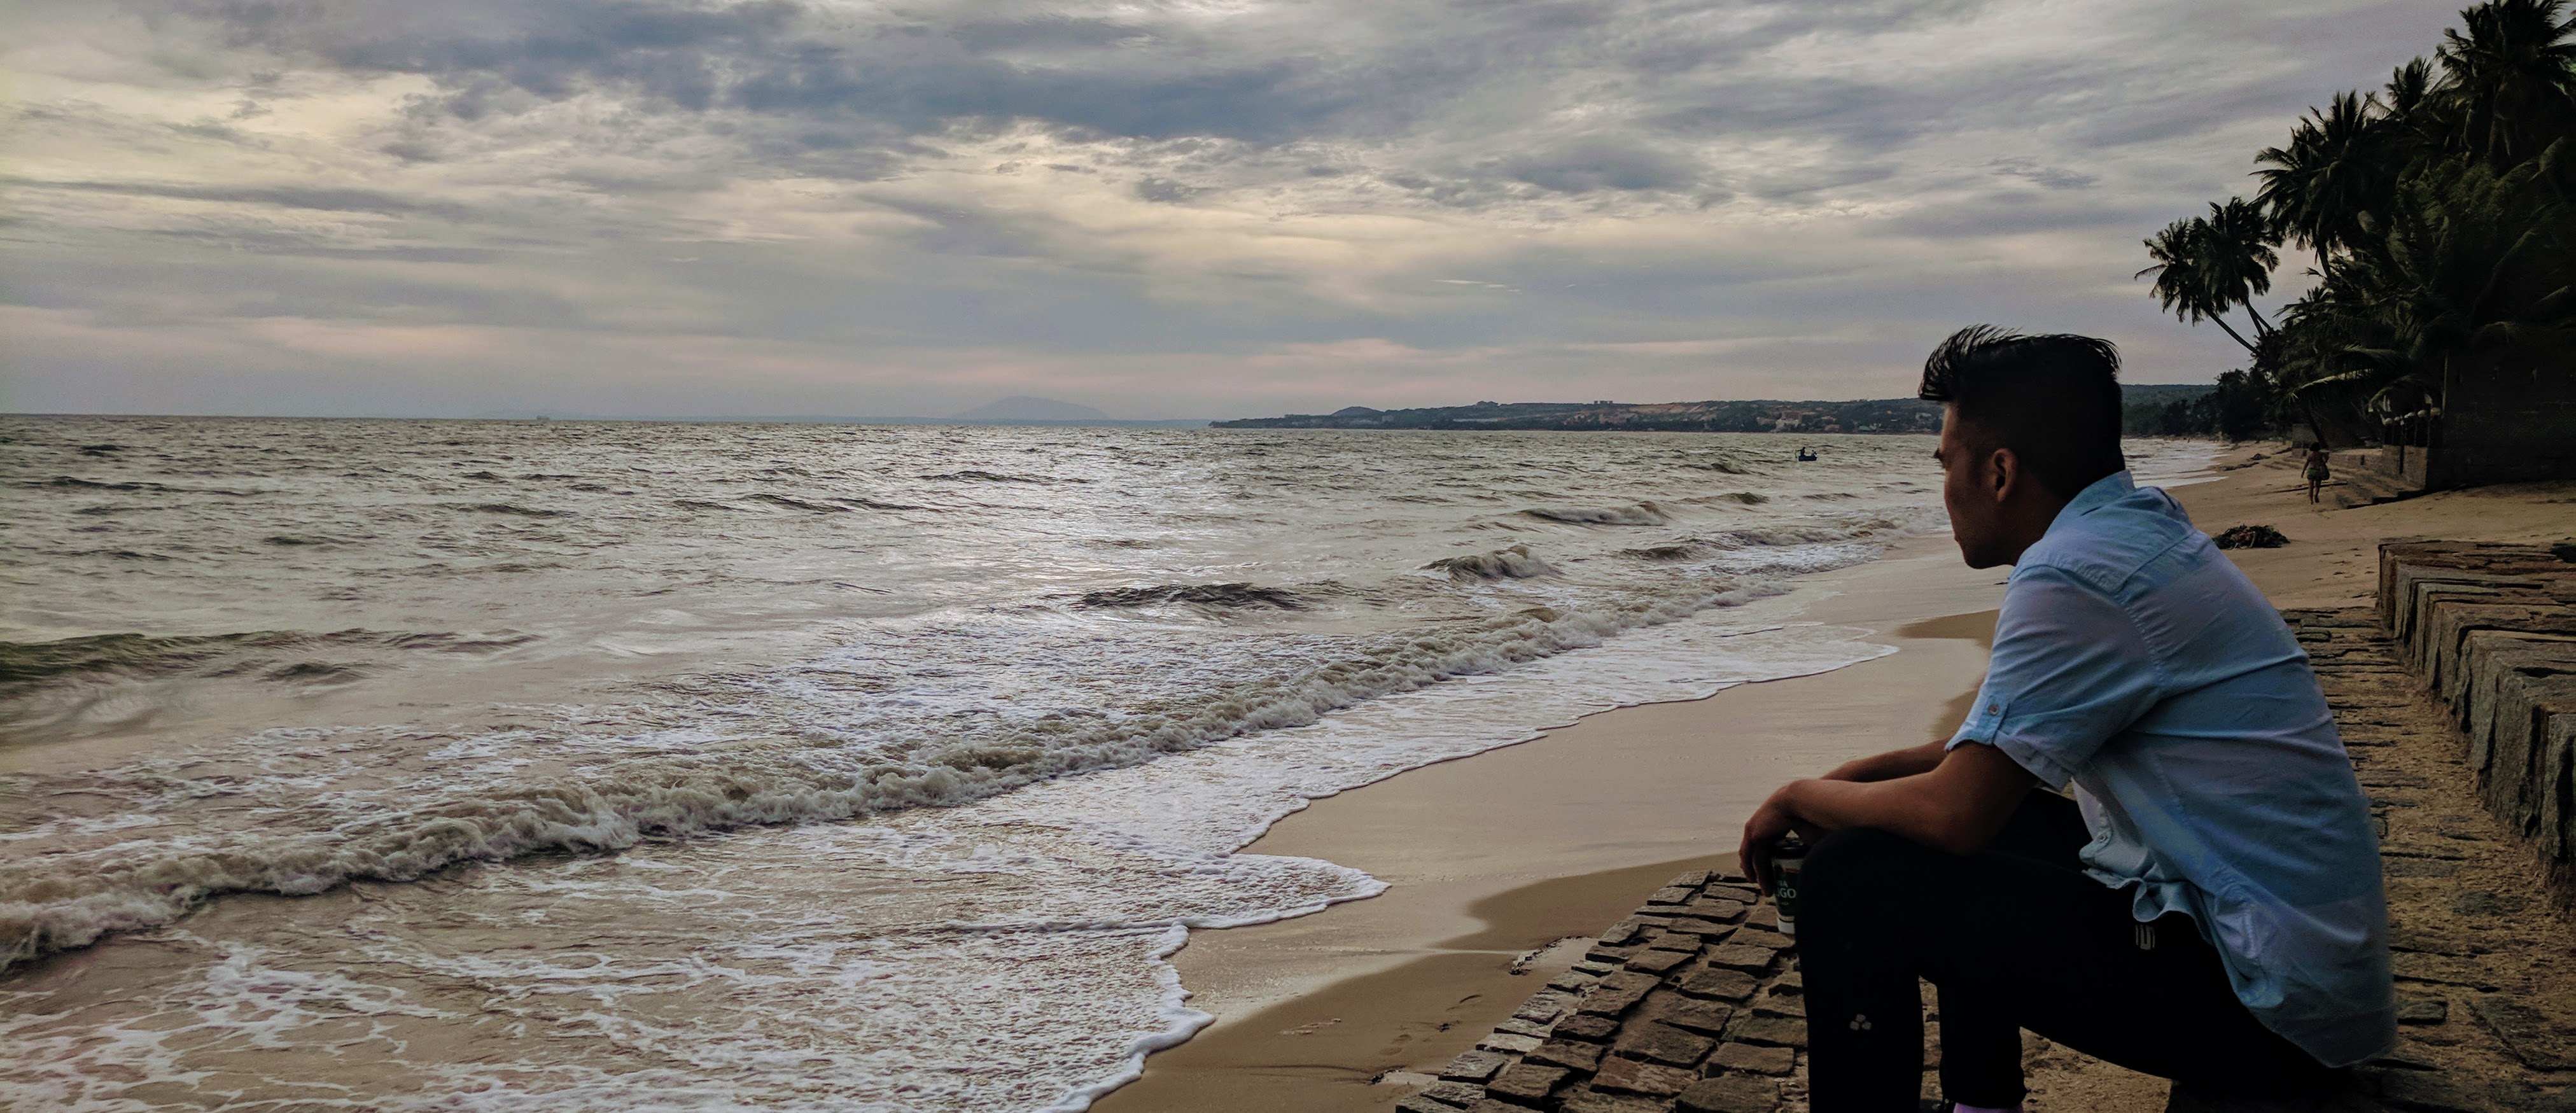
(2316, 468)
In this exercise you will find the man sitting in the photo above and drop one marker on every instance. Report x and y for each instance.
(2207, 907)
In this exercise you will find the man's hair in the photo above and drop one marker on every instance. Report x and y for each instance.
(2053, 400)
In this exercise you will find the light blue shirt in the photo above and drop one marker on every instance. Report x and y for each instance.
(2135, 662)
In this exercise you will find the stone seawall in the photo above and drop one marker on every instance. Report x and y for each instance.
(2491, 631)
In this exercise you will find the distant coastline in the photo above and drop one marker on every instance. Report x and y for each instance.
(1889, 415)
(2150, 409)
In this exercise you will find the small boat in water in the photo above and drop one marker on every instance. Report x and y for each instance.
(1806, 454)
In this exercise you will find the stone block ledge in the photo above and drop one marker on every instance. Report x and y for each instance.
(2490, 630)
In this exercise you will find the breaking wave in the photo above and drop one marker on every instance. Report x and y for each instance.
(1252, 596)
(1642, 514)
(28, 665)
(1514, 563)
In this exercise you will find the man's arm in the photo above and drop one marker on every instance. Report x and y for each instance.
(1891, 765)
(1958, 806)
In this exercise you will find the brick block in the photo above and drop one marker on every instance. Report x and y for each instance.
(1454, 1094)
(1658, 962)
(1687, 1013)
(1751, 1059)
(1584, 1057)
(1544, 1006)
(1763, 938)
(1474, 1066)
(1734, 1093)
(1633, 1077)
(1661, 1043)
(1775, 1004)
(1617, 993)
(1772, 1030)
(1751, 960)
(1526, 1083)
(1730, 985)
(1718, 908)
(1590, 1029)
(1589, 1100)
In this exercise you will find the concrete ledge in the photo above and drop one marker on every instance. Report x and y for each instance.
(2491, 630)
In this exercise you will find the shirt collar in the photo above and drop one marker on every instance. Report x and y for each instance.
(2108, 489)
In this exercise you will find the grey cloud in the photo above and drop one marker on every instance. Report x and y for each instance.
(1599, 163)
(2018, 212)
(1164, 190)
(324, 199)
(2051, 177)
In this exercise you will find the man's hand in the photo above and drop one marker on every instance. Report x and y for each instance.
(1770, 821)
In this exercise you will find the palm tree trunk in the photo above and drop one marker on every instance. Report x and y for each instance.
(2261, 326)
(2231, 330)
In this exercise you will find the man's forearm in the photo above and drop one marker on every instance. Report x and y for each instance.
(1956, 806)
(1892, 764)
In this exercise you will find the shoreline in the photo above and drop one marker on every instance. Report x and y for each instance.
(1489, 859)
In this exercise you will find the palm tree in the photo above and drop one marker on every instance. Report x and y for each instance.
(2510, 72)
(2240, 256)
(2205, 266)
(2335, 169)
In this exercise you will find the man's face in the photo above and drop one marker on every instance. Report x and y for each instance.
(1968, 491)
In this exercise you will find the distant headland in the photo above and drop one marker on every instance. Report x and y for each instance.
(2170, 410)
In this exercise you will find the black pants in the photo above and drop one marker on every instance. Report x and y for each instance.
(2013, 937)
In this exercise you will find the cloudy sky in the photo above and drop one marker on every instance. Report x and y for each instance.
(1163, 208)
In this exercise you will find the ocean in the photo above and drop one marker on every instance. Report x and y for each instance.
(580, 765)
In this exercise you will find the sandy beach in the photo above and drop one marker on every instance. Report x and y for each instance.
(1491, 859)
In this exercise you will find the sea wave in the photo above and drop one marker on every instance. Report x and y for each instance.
(979, 475)
(798, 504)
(1516, 563)
(28, 665)
(1247, 596)
(1641, 514)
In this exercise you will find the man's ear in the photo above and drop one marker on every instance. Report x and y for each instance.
(2003, 473)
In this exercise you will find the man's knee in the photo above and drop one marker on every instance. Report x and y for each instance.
(1854, 857)
(1849, 872)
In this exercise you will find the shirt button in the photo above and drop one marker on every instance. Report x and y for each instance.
(1992, 708)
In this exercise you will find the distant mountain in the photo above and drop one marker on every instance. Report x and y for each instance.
(1022, 407)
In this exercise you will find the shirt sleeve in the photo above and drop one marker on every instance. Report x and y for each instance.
(2069, 671)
